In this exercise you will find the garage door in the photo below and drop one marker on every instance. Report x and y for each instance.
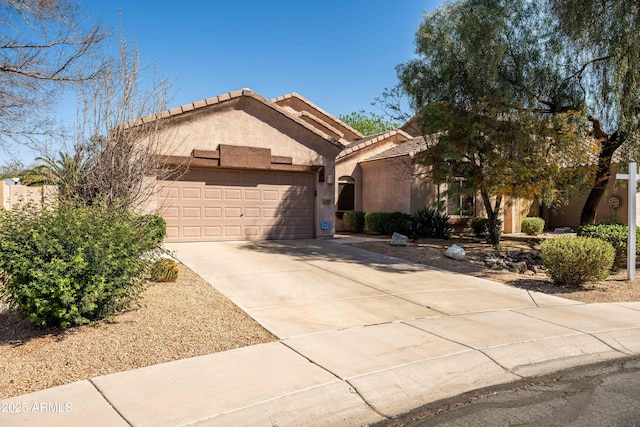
(225, 204)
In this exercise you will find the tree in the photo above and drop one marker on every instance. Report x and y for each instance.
(508, 123)
(115, 158)
(368, 125)
(66, 172)
(13, 169)
(605, 36)
(43, 45)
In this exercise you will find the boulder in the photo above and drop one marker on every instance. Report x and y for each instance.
(455, 252)
(399, 240)
(520, 267)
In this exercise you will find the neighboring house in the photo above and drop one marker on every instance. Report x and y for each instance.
(612, 208)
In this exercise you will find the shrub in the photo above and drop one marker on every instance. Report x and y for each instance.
(480, 227)
(71, 265)
(532, 225)
(573, 261)
(389, 222)
(616, 234)
(157, 227)
(164, 270)
(397, 222)
(354, 221)
(429, 222)
(373, 221)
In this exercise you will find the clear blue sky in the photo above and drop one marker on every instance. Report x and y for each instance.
(340, 54)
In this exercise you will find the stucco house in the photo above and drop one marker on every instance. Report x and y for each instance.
(259, 168)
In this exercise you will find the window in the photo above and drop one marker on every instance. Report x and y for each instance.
(346, 195)
(460, 199)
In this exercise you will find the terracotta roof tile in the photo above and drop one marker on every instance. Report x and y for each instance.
(410, 148)
(359, 144)
(320, 110)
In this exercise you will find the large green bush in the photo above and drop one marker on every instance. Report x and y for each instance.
(389, 222)
(532, 225)
(157, 227)
(573, 261)
(71, 265)
(431, 223)
(353, 221)
(616, 234)
(373, 221)
(398, 222)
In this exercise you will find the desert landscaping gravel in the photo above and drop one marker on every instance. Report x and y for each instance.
(190, 318)
(177, 320)
(431, 252)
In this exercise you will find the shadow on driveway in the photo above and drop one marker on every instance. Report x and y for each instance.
(323, 250)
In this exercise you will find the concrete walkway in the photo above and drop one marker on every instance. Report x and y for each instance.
(362, 337)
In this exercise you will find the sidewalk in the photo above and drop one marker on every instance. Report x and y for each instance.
(362, 337)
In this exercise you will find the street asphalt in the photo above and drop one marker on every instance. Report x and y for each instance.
(600, 395)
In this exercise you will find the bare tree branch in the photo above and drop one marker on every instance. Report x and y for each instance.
(44, 45)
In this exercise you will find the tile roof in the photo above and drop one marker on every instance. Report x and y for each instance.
(227, 97)
(408, 148)
(359, 144)
(293, 95)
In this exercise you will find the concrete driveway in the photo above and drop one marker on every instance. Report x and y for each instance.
(362, 337)
(302, 287)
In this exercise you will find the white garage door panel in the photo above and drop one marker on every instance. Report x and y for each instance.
(219, 204)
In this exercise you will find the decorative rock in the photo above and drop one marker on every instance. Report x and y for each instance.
(520, 262)
(399, 240)
(562, 230)
(520, 267)
(455, 252)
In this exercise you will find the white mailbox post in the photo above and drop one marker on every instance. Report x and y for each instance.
(632, 177)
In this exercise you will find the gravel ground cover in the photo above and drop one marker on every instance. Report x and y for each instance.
(176, 320)
(431, 252)
(190, 318)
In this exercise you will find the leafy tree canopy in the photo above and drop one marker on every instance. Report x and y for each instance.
(368, 124)
(484, 80)
(604, 38)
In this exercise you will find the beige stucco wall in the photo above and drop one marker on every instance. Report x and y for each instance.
(395, 185)
(423, 193)
(249, 123)
(386, 185)
(12, 195)
(569, 215)
(350, 166)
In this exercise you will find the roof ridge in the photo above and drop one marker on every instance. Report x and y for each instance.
(227, 97)
(308, 102)
(372, 139)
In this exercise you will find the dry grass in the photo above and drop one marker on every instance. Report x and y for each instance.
(431, 252)
(178, 320)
